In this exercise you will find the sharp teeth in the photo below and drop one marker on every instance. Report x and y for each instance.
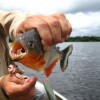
(16, 56)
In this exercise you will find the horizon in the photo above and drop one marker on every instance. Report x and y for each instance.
(85, 36)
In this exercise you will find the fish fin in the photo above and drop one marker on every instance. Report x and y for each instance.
(48, 70)
(65, 56)
(49, 90)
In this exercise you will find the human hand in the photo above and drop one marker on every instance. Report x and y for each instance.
(52, 29)
(13, 68)
(18, 88)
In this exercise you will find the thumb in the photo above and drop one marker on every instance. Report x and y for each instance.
(29, 84)
(24, 88)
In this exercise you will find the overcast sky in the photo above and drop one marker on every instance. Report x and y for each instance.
(84, 15)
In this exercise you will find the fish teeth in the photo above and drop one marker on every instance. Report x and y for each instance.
(16, 56)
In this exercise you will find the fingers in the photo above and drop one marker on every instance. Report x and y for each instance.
(59, 27)
(14, 87)
(12, 68)
(29, 96)
(52, 29)
(65, 26)
(22, 83)
(16, 78)
(29, 83)
(40, 25)
(27, 87)
(20, 87)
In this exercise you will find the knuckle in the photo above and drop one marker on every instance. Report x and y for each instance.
(54, 23)
(60, 15)
(43, 24)
(67, 29)
(70, 28)
(65, 32)
(48, 40)
(57, 41)
(29, 19)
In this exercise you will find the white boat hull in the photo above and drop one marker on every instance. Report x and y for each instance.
(41, 88)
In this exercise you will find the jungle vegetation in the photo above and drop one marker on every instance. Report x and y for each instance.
(84, 39)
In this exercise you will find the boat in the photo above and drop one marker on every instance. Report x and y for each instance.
(41, 88)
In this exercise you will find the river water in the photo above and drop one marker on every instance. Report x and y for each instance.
(81, 80)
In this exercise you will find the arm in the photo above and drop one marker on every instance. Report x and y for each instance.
(9, 21)
(52, 30)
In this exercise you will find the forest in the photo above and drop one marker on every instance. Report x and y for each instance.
(84, 39)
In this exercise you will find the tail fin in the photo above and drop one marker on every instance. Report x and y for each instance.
(65, 55)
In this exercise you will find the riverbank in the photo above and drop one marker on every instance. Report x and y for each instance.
(84, 39)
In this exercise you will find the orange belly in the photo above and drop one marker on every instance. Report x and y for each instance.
(35, 61)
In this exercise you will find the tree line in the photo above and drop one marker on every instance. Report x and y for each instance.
(84, 39)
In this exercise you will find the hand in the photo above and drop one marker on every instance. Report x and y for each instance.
(52, 29)
(13, 68)
(18, 88)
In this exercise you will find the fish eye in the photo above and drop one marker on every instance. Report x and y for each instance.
(31, 44)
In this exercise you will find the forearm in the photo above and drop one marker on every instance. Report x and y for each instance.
(9, 21)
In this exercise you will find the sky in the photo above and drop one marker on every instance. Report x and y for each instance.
(84, 15)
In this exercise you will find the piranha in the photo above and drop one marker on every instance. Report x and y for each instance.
(28, 50)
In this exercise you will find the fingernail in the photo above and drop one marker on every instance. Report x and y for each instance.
(35, 79)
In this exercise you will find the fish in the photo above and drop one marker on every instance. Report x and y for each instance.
(28, 50)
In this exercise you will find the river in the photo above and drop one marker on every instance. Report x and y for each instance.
(81, 80)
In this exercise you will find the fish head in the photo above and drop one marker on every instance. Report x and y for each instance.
(31, 42)
(28, 50)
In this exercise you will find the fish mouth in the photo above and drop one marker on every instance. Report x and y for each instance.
(17, 51)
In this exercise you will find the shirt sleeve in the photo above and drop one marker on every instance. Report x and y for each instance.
(9, 21)
(2, 95)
